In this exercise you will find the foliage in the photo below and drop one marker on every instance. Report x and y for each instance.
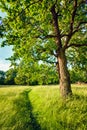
(77, 62)
(2, 77)
(24, 108)
(42, 31)
(10, 76)
(78, 75)
(34, 74)
(28, 26)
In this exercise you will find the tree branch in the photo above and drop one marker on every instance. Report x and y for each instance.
(15, 16)
(28, 6)
(77, 45)
(73, 14)
(64, 35)
(45, 60)
(78, 26)
(56, 26)
(81, 2)
(73, 29)
(45, 37)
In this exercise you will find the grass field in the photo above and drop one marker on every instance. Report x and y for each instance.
(41, 108)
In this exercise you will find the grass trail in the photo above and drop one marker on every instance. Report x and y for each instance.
(41, 108)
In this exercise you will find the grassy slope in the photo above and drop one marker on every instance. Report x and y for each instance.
(40, 108)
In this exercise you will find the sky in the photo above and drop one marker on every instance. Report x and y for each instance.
(5, 52)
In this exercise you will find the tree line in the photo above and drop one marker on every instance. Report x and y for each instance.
(35, 73)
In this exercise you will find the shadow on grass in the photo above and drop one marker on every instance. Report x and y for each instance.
(25, 120)
(80, 97)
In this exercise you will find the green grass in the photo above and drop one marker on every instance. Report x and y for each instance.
(41, 108)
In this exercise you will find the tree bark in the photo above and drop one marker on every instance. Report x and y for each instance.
(64, 77)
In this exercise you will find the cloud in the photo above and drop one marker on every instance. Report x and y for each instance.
(4, 66)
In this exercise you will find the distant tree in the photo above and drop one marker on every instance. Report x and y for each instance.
(34, 74)
(10, 76)
(2, 77)
(46, 29)
(77, 60)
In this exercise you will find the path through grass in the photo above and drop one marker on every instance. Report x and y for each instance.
(40, 108)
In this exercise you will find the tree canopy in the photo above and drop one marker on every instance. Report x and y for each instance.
(28, 26)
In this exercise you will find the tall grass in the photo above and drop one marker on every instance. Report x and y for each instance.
(41, 108)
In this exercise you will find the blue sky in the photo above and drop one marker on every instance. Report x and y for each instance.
(5, 52)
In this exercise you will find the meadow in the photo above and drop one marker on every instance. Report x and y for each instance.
(41, 108)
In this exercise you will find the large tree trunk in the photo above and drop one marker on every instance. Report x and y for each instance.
(64, 77)
(65, 86)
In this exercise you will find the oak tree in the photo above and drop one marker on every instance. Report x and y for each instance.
(44, 30)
